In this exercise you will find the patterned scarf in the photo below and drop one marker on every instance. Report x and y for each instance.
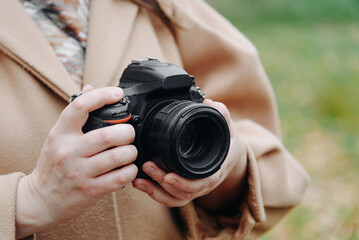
(64, 23)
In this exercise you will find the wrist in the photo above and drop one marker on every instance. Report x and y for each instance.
(231, 190)
(30, 218)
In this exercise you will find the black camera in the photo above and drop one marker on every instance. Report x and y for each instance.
(173, 127)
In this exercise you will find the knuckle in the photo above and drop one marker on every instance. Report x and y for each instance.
(115, 157)
(101, 95)
(121, 179)
(103, 92)
(158, 177)
(105, 136)
(56, 133)
(78, 105)
(62, 156)
(151, 192)
(74, 175)
(183, 185)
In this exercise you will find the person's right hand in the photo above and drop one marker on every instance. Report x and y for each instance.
(74, 169)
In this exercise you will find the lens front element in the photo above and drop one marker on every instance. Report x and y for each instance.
(193, 139)
(189, 138)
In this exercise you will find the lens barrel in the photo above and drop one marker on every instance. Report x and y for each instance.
(189, 138)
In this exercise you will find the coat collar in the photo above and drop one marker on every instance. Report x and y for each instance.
(110, 26)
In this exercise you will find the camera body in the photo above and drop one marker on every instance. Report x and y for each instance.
(173, 127)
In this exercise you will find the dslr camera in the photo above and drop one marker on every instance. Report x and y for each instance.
(173, 127)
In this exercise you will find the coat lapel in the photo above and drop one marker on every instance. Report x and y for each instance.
(24, 42)
(110, 26)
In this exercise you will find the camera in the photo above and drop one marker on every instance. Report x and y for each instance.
(173, 127)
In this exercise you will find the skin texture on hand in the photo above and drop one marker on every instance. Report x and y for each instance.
(73, 171)
(215, 192)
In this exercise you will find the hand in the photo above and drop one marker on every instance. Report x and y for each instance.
(213, 192)
(74, 169)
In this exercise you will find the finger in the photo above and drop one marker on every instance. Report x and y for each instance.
(114, 180)
(159, 175)
(76, 113)
(154, 172)
(220, 107)
(110, 159)
(87, 88)
(176, 181)
(190, 185)
(157, 193)
(101, 139)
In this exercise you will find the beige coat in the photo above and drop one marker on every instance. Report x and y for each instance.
(35, 87)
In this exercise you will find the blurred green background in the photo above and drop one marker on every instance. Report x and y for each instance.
(310, 50)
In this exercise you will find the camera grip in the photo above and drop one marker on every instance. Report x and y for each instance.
(107, 116)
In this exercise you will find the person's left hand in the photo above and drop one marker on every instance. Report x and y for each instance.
(212, 192)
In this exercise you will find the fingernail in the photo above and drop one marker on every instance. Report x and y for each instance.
(172, 181)
(141, 187)
(150, 171)
(117, 92)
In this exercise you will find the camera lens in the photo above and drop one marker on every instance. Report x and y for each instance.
(189, 138)
(192, 140)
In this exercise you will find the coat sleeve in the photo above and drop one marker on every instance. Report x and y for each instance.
(8, 188)
(227, 67)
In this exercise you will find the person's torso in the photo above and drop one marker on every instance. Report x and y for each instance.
(34, 90)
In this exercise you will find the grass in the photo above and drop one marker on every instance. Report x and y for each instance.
(310, 52)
